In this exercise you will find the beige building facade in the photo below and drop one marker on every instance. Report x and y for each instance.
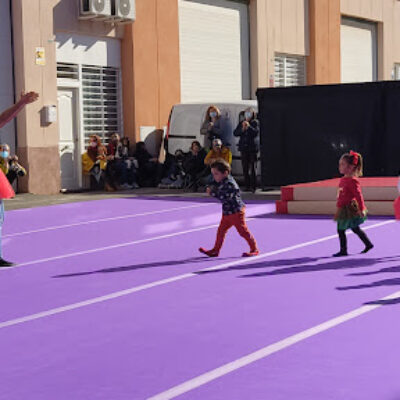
(107, 77)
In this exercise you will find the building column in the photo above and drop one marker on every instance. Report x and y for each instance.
(37, 143)
(323, 63)
(150, 66)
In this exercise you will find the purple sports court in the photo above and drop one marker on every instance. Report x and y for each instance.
(111, 300)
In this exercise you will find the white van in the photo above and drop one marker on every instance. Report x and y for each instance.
(185, 121)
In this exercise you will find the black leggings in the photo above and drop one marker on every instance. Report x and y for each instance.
(249, 160)
(359, 232)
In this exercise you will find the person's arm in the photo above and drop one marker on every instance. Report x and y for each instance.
(227, 156)
(216, 129)
(358, 195)
(238, 131)
(254, 128)
(204, 128)
(208, 158)
(7, 115)
(87, 163)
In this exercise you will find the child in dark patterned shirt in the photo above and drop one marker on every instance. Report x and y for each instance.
(227, 191)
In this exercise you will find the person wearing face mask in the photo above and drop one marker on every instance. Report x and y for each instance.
(9, 165)
(248, 131)
(94, 163)
(212, 126)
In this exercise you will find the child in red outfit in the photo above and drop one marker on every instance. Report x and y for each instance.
(227, 191)
(351, 211)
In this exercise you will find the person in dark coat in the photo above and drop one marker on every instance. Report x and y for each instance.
(194, 162)
(150, 170)
(248, 130)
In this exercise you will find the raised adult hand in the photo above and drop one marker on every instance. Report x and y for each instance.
(29, 97)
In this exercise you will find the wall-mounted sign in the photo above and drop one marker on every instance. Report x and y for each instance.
(40, 56)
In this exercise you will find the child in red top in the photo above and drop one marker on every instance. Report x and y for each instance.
(351, 211)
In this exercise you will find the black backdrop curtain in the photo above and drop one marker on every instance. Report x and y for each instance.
(305, 130)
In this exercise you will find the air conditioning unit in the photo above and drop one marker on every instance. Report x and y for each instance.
(98, 9)
(124, 11)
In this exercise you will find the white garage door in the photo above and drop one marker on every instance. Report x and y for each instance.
(214, 50)
(358, 51)
(7, 133)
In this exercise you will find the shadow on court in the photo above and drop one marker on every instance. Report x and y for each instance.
(299, 265)
(389, 302)
(127, 268)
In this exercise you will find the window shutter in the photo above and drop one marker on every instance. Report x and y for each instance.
(101, 101)
(290, 70)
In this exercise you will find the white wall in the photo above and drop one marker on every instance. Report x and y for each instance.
(7, 133)
(89, 50)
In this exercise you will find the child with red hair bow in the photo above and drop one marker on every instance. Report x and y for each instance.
(351, 211)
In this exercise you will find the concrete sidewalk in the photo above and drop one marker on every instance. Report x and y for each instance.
(26, 200)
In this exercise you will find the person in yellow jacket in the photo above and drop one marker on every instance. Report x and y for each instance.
(94, 162)
(10, 165)
(218, 151)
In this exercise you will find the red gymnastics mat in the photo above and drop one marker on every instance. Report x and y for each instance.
(320, 197)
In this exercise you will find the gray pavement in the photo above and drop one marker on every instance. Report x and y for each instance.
(27, 200)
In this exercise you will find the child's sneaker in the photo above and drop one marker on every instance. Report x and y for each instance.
(341, 253)
(251, 253)
(209, 253)
(367, 248)
(4, 263)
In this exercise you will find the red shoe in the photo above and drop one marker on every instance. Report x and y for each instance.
(209, 253)
(251, 253)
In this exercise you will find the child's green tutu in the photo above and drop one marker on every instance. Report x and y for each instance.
(344, 224)
(348, 217)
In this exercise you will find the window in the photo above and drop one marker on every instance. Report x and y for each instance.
(67, 71)
(396, 71)
(101, 101)
(100, 96)
(290, 70)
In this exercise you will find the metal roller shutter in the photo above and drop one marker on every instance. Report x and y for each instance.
(214, 50)
(358, 51)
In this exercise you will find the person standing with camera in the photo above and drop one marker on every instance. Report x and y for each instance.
(248, 131)
(9, 164)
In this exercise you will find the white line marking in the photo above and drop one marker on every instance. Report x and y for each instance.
(115, 246)
(150, 285)
(52, 228)
(95, 300)
(265, 352)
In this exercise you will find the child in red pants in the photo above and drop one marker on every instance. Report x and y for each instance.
(227, 191)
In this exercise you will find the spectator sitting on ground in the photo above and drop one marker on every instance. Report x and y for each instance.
(194, 163)
(218, 151)
(94, 163)
(125, 148)
(9, 164)
(117, 168)
(131, 162)
(176, 173)
(150, 170)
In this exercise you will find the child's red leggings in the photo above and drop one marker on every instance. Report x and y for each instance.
(238, 221)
